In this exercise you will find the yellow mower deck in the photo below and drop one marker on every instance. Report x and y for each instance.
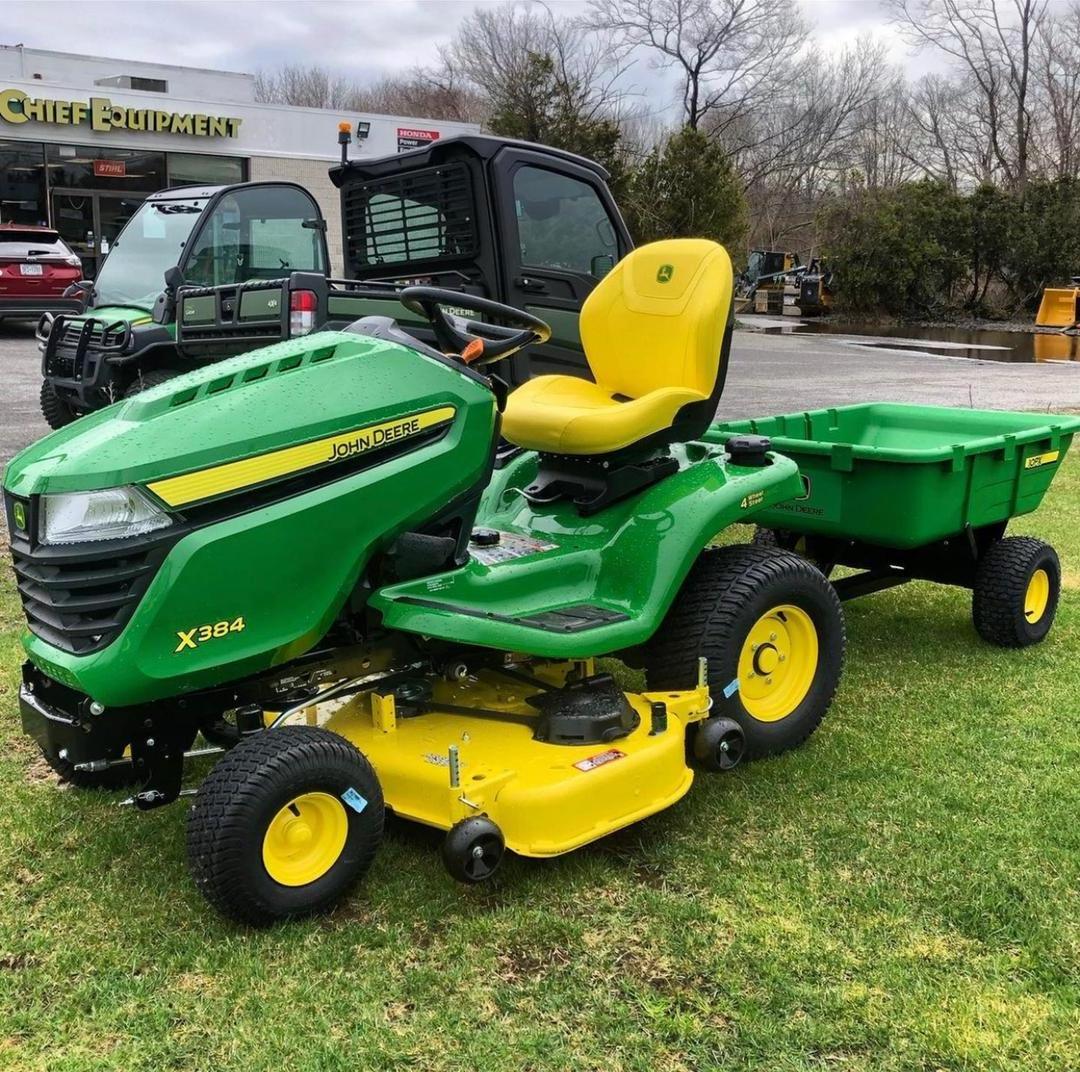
(546, 798)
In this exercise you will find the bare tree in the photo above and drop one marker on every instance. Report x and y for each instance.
(512, 39)
(729, 54)
(992, 42)
(1057, 63)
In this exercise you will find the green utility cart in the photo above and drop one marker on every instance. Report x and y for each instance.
(900, 493)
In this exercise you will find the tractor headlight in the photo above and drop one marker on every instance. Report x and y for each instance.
(113, 514)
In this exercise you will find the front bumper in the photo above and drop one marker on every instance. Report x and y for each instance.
(62, 723)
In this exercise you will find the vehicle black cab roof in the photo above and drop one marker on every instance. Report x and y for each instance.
(482, 146)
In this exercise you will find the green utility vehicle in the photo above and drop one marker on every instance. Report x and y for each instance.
(124, 340)
(380, 582)
(517, 223)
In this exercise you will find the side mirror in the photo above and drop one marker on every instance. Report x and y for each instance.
(174, 278)
(601, 264)
(165, 303)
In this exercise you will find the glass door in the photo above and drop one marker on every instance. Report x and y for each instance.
(90, 222)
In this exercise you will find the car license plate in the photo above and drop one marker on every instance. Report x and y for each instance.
(31, 269)
(789, 299)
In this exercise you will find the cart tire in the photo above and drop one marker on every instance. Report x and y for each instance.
(54, 409)
(742, 608)
(150, 378)
(1016, 592)
(110, 778)
(284, 825)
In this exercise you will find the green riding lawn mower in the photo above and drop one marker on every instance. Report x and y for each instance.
(456, 558)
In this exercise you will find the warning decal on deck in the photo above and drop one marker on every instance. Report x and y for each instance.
(599, 759)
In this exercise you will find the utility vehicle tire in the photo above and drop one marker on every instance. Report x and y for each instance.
(284, 825)
(772, 630)
(54, 409)
(110, 778)
(151, 378)
(1016, 592)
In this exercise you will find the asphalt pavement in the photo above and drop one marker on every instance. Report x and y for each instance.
(768, 374)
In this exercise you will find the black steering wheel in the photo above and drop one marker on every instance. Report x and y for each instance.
(474, 342)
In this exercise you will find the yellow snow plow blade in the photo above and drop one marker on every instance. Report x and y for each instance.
(1059, 308)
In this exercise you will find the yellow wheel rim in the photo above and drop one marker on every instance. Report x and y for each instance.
(777, 663)
(305, 839)
(1037, 597)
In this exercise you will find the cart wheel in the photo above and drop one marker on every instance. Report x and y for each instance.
(1016, 592)
(284, 825)
(772, 630)
(718, 744)
(54, 409)
(473, 850)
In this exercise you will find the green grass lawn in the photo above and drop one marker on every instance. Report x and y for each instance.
(902, 893)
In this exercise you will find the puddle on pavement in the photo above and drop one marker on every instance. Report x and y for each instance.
(955, 343)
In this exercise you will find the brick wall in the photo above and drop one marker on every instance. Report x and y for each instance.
(312, 175)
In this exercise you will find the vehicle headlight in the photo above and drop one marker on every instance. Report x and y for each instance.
(113, 514)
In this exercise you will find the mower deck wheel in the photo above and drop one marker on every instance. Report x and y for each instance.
(124, 774)
(772, 629)
(718, 744)
(284, 825)
(473, 850)
(1015, 597)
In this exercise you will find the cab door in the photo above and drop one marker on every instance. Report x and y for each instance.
(561, 233)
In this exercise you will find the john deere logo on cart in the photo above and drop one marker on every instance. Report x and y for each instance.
(664, 273)
(19, 514)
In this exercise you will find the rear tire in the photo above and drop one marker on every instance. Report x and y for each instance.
(772, 630)
(54, 409)
(150, 378)
(785, 540)
(1016, 592)
(284, 825)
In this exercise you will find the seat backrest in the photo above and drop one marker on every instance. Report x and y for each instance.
(659, 319)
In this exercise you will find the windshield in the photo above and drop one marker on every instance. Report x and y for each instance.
(152, 242)
(257, 232)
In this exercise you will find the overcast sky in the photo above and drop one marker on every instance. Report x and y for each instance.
(363, 38)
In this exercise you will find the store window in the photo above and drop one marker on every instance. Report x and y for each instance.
(262, 232)
(562, 223)
(197, 169)
(89, 168)
(22, 183)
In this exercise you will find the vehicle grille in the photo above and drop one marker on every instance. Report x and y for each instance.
(79, 598)
(419, 216)
(63, 355)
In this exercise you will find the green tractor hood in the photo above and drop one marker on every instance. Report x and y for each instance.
(282, 472)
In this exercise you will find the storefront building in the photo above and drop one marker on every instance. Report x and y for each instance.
(84, 140)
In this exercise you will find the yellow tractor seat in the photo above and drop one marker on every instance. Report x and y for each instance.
(655, 332)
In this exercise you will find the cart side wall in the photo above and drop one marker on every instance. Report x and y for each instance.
(892, 497)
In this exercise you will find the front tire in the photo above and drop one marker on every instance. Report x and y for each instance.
(772, 630)
(54, 409)
(1016, 592)
(284, 825)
